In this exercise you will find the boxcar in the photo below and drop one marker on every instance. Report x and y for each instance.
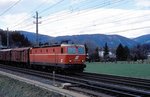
(5, 56)
(20, 56)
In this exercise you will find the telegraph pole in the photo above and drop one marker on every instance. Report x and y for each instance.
(7, 38)
(37, 29)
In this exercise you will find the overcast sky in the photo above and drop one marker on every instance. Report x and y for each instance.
(129, 18)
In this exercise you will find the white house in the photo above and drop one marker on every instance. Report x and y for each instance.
(111, 55)
(148, 56)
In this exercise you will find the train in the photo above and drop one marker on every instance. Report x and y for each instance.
(63, 57)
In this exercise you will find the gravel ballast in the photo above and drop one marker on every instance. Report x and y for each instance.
(13, 88)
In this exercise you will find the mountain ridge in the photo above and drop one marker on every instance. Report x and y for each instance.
(90, 39)
(144, 39)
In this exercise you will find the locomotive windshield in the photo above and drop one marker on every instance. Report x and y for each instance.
(81, 50)
(76, 50)
(71, 50)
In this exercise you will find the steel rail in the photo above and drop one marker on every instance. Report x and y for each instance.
(112, 79)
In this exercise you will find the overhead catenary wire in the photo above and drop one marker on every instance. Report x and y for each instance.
(9, 8)
(24, 19)
(118, 20)
(99, 4)
(43, 10)
(121, 19)
(101, 24)
(109, 4)
(70, 7)
(42, 4)
(83, 13)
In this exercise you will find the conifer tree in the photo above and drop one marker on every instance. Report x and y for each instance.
(106, 51)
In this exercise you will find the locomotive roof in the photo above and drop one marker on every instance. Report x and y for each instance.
(5, 50)
(25, 48)
(72, 45)
(46, 46)
(60, 45)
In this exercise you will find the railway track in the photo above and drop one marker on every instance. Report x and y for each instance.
(96, 84)
(123, 81)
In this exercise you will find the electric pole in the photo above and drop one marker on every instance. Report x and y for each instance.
(7, 38)
(37, 29)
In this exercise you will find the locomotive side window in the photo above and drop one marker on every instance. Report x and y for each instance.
(62, 51)
(81, 50)
(47, 50)
(71, 50)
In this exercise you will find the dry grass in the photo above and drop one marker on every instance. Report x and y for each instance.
(13, 88)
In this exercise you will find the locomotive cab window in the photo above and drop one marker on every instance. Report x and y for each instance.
(71, 50)
(81, 50)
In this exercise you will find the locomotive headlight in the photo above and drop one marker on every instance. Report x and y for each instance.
(61, 60)
(82, 60)
(70, 61)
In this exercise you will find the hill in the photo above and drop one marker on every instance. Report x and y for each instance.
(98, 40)
(92, 40)
(32, 37)
(145, 39)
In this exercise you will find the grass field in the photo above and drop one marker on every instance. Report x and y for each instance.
(123, 69)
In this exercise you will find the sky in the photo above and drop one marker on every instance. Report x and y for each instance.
(129, 18)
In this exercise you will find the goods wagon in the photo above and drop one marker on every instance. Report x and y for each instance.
(5, 56)
(20, 56)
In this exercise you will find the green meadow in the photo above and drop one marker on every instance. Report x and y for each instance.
(121, 69)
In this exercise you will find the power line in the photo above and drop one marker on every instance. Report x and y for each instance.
(72, 9)
(108, 22)
(86, 27)
(55, 5)
(35, 9)
(131, 29)
(51, 6)
(10, 8)
(101, 5)
(117, 31)
(104, 4)
(18, 24)
(25, 19)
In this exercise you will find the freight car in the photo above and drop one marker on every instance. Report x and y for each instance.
(64, 57)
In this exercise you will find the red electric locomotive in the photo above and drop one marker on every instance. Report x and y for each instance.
(64, 57)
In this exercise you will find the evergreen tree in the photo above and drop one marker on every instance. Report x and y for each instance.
(96, 54)
(3, 37)
(15, 39)
(140, 52)
(19, 40)
(120, 54)
(86, 48)
(106, 51)
(127, 53)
